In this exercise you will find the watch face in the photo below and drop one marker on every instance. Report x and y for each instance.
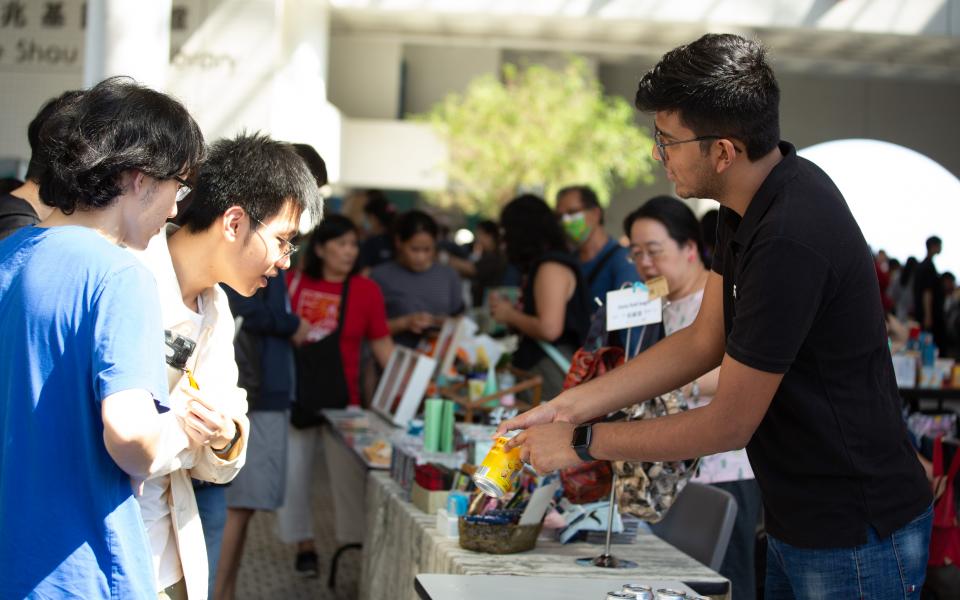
(581, 436)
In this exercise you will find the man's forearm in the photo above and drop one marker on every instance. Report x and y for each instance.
(654, 372)
(664, 439)
(727, 423)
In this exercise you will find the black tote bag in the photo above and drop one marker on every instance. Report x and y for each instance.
(321, 383)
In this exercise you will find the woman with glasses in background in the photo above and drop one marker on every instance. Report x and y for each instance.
(665, 240)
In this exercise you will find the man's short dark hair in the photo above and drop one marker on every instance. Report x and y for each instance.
(38, 164)
(588, 197)
(933, 241)
(114, 127)
(256, 173)
(721, 85)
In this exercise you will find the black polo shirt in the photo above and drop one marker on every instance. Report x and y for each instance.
(801, 298)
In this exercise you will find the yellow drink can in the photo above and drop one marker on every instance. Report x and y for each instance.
(499, 471)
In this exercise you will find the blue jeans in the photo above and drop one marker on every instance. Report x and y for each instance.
(212, 504)
(893, 567)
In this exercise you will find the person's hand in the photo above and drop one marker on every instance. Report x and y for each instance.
(554, 411)
(547, 447)
(206, 425)
(500, 308)
(299, 336)
(419, 322)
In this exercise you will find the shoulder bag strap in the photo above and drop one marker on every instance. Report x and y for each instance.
(344, 297)
(294, 283)
(599, 266)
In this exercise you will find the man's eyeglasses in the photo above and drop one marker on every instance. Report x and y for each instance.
(286, 246)
(184, 190)
(662, 145)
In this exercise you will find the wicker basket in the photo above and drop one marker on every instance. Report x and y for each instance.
(498, 539)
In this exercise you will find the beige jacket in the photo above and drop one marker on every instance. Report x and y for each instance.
(215, 372)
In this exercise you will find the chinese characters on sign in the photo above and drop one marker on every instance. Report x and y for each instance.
(49, 36)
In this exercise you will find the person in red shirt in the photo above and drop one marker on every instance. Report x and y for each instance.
(317, 295)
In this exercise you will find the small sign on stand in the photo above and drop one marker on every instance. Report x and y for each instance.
(636, 305)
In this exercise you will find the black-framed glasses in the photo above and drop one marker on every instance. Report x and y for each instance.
(662, 145)
(184, 190)
(286, 246)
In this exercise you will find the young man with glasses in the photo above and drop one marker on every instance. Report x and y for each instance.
(81, 365)
(244, 206)
(792, 311)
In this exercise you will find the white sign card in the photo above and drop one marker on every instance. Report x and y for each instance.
(632, 307)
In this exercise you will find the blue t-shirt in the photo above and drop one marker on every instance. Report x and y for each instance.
(81, 321)
(614, 272)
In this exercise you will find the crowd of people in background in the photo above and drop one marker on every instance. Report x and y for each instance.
(917, 296)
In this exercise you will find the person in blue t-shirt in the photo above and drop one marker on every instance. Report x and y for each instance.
(604, 263)
(81, 366)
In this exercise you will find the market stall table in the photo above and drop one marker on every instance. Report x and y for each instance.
(343, 445)
(913, 396)
(506, 587)
(402, 542)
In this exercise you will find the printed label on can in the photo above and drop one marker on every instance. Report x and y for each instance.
(499, 471)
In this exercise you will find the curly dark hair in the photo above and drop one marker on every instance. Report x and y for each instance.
(38, 164)
(721, 85)
(530, 230)
(114, 127)
(256, 173)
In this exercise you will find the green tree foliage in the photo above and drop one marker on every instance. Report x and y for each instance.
(537, 128)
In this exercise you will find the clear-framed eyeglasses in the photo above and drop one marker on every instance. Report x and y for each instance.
(286, 246)
(636, 255)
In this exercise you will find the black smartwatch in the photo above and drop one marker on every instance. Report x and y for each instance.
(582, 436)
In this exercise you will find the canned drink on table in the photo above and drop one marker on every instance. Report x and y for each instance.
(620, 596)
(500, 469)
(668, 594)
(639, 592)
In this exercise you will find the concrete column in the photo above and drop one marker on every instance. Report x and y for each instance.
(126, 37)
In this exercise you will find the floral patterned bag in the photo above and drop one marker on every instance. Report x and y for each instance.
(644, 489)
(648, 489)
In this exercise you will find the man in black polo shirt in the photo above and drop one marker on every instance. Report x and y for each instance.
(792, 313)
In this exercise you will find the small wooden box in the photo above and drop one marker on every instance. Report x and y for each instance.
(426, 500)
